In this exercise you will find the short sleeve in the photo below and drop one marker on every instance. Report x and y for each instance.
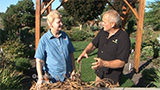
(124, 49)
(40, 52)
(71, 48)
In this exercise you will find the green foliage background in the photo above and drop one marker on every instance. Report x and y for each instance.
(84, 10)
(17, 16)
(152, 16)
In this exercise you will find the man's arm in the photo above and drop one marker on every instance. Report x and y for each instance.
(117, 63)
(90, 48)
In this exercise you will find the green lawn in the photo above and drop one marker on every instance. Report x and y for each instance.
(86, 71)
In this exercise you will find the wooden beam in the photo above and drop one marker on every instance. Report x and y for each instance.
(59, 6)
(43, 3)
(42, 11)
(38, 22)
(139, 35)
(124, 17)
(111, 5)
(134, 12)
(135, 9)
(63, 1)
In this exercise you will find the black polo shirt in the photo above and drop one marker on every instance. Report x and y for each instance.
(116, 47)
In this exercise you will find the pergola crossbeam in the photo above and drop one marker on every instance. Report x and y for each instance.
(42, 11)
(133, 10)
(111, 5)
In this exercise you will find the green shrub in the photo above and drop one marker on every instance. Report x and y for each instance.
(156, 62)
(22, 64)
(156, 81)
(94, 28)
(69, 33)
(150, 39)
(14, 49)
(79, 35)
(4, 61)
(9, 78)
(148, 75)
(152, 77)
(147, 53)
(126, 82)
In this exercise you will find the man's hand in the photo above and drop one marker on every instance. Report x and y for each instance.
(38, 84)
(82, 56)
(98, 64)
(90, 48)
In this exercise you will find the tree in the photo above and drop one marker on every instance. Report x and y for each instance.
(68, 20)
(152, 16)
(84, 10)
(17, 16)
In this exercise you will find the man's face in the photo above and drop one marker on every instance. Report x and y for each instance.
(106, 24)
(57, 24)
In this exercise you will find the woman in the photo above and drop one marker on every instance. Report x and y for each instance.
(56, 51)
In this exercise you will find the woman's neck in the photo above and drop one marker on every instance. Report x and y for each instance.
(55, 33)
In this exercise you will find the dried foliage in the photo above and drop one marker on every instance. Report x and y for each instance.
(76, 84)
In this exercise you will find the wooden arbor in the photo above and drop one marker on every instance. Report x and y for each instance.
(128, 6)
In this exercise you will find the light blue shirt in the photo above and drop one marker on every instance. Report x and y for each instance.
(56, 54)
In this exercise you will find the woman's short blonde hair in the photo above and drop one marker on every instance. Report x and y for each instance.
(52, 15)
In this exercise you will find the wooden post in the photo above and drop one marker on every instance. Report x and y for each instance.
(139, 35)
(38, 22)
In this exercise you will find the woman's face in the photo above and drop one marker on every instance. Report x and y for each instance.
(56, 24)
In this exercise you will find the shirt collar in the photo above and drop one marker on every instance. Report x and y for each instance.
(118, 32)
(50, 36)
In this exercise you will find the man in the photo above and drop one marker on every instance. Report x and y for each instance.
(56, 51)
(113, 49)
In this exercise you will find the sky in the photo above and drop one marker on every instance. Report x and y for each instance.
(6, 3)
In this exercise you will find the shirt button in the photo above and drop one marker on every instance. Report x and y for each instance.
(101, 51)
(105, 45)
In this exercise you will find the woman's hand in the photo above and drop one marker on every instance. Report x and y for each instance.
(72, 77)
(39, 84)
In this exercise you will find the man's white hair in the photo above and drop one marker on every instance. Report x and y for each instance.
(113, 16)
